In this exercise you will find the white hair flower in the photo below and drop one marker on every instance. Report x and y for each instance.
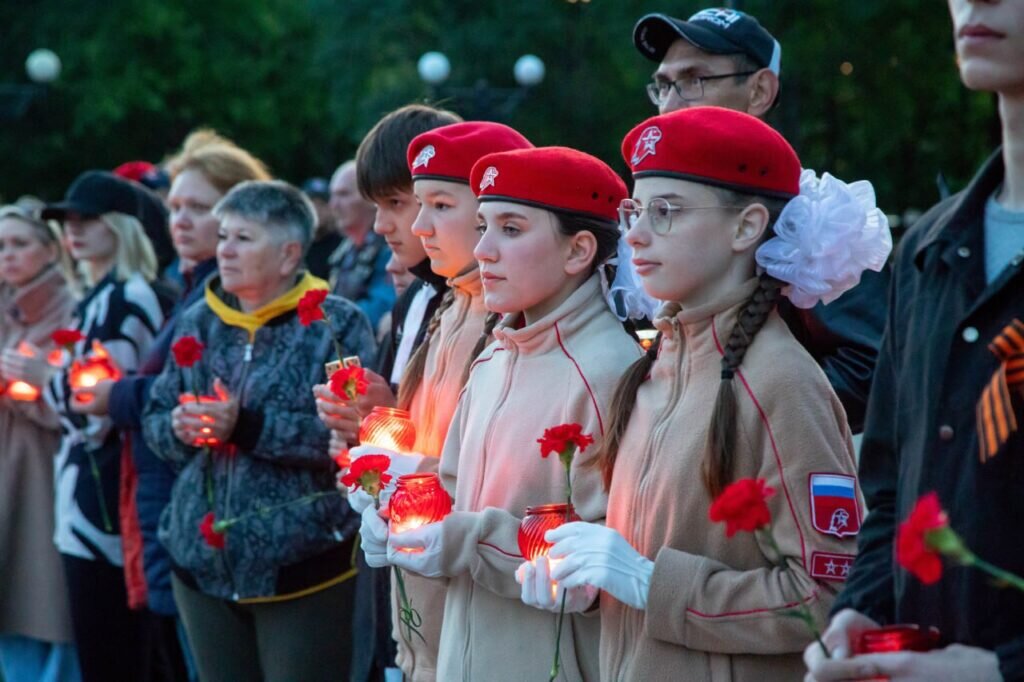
(825, 238)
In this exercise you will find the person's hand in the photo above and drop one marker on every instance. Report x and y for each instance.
(417, 550)
(599, 556)
(541, 592)
(92, 399)
(338, 450)
(210, 422)
(373, 536)
(378, 394)
(34, 370)
(955, 662)
(840, 637)
(340, 416)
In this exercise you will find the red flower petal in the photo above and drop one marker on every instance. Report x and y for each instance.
(742, 506)
(66, 337)
(912, 550)
(348, 382)
(210, 536)
(187, 351)
(557, 438)
(309, 310)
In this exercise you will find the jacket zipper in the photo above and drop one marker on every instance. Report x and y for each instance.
(653, 442)
(230, 462)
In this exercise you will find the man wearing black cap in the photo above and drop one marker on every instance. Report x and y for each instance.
(725, 58)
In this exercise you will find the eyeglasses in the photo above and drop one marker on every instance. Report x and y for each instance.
(659, 213)
(689, 89)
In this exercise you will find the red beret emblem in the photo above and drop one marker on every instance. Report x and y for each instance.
(488, 178)
(645, 144)
(424, 157)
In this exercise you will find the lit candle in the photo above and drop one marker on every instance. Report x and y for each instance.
(22, 390)
(187, 399)
(418, 500)
(88, 371)
(538, 521)
(898, 638)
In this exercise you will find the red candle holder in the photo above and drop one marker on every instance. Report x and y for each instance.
(898, 638)
(538, 521)
(418, 499)
(23, 391)
(388, 428)
(88, 371)
(188, 399)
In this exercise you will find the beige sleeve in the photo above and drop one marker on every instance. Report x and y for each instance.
(704, 604)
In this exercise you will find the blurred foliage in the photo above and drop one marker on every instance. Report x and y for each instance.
(299, 82)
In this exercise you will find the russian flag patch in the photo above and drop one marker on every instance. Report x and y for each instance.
(834, 509)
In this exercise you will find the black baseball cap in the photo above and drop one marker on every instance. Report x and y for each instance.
(96, 192)
(317, 188)
(719, 31)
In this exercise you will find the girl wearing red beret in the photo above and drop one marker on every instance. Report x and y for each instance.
(723, 223)
(548, 222)
(440, 162)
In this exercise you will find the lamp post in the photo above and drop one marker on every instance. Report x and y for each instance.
(481, 100)
(43, 68)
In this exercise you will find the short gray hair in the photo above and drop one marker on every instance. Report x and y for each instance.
(274, 204)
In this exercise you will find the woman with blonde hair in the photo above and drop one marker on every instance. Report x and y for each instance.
(35, 299)
(102, 215)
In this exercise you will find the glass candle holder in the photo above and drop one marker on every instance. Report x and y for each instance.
(898, 638)
(388, 428)
(207, 439)
(23, 391)
(88, 371)
(418, 499)
(538, 521)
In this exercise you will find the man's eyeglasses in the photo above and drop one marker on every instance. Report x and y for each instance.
(689, 89)
(659, 213)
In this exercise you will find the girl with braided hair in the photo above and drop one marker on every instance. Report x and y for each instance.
(722, 224)
(548, 224)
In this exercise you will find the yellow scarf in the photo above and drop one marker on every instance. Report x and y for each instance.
(252, 321)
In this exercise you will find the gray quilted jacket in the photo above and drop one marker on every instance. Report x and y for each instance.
(278, 453)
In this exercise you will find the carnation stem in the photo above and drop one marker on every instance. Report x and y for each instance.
(224, 524)
(1010, 579)
(561, 611)
(803, 612)
(409, 616)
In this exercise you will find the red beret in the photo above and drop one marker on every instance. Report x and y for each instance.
(134, 170)
(449, 152)
(714, 146)
(556, 178)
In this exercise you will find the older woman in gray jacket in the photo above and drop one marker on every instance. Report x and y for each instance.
(260, 540)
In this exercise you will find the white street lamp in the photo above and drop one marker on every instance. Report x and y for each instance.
(43, 66)
(434, 68)
(529, 70)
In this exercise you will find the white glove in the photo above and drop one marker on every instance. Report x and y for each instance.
(541, 592)
(400, 465)
(425, 543)
(373, 535)
(599, 556)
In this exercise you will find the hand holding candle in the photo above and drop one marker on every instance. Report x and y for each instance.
(26, 371)
(88, 371)
(210, 421)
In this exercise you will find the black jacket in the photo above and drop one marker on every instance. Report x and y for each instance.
(921, 436)
(843, 337)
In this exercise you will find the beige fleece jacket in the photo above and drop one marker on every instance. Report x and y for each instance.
(715, 604)
(432, 408)
(561, 369)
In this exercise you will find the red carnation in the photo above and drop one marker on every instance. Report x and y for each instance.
(207, 528)
(742, 506)
(348, 382)
(65, 338)
(915, 545)
(559, 439)
(309, 306)
(368, 473)
(187, 351)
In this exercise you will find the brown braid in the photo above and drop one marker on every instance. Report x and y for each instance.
(623, 401)
(413, 374)
(490, 322)
(721, 450)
